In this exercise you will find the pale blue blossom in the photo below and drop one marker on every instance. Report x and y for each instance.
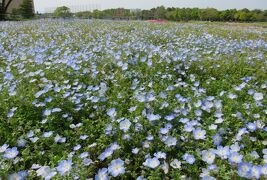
(152, 162)
(189, 158)
(11, 153)
(116, 167)
(235, 157)
(125, 125)
(102, 174)
(199, 134)
(64, 167)
(208, 156)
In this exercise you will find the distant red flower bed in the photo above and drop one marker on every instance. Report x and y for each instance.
(157, 21)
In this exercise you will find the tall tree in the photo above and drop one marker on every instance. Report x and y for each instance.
(62, 12)
(4, 4)
(26, 9)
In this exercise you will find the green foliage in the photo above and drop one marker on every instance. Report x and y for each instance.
(62, 12)
(178, 14)
(78, 58)
(27, 9)
(15, 14)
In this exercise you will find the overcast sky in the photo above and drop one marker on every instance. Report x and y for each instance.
(77, 5)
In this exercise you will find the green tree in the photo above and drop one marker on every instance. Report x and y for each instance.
(209, 14)
(26, 9)
(170, 15)
(228, 15)
(4, 4)
(98, 14)
(15, 14)
(62, 12)
(257, 15)
(160, 12)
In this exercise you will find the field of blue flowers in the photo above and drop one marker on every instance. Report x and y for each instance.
(132, 100)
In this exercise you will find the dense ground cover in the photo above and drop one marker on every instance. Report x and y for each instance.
(128, 100)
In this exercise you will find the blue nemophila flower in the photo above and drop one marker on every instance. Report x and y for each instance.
(232, 96)
(198, 112)
(189, 158)
(21, 142)
(64, 167)
(264, 170)
(251, 91)
(47, 112)
(11, 112)
(21, 175)
(116, 167)
(176, 164)
(160, 155)
(3, 148)
(168, 125)
(83, 155)
(87, 161)
(251, 126)
(34, 139)
(140, 178)
(217, 139)
(208, 156)
(11, 153)
(108, 152)
(152, 162)
(256, 172)
(114, 146)
(240, 133)
(235, 157)
(188, 127)
(77, 147)
(102, 174)
(48, 134)
(112, 112)
(258, 96)
(184, 120)
(235, 147)
(51, 174)
(71, 154)
(108, 129)
(223, 152)
(208, 177)
(83, 137)
(125, 125)
(164, 130)
(199, 134)
(30, 134)
(170, 141)
(150, 137)
(212, 167)
(213, 127)
(43, 171)
(254, 155)
(244, 170)
(56, 110)
(169, 117)
(132, 109)
(153, 117)
(39, 93)
(8, 76)
(146, 144)
(135, 150)
(246, 79)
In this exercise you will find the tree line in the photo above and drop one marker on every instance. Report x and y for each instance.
(178, 14)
